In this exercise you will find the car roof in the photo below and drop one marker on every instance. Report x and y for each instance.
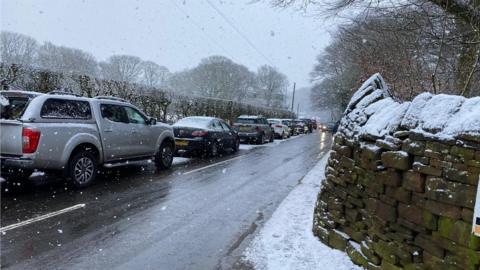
(250, 116)
(33, 94)
(202, 117)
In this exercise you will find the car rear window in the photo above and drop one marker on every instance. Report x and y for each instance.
(66, 109)
(248, 121)
(194, 122)
(12, 108)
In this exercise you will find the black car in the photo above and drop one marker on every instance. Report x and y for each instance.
(299, 126)
(309, 124)
(204, 135)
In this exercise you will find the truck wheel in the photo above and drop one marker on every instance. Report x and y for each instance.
(164, 157)
(82, 169)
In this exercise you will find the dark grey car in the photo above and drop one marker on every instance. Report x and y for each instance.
(254, 128)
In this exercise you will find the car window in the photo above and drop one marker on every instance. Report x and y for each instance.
(115, 113)
(135, 117)
(66, 109)
(247, 121)
(216, 125)
(225, 126)
(14, 107)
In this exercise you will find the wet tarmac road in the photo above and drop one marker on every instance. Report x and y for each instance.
(198, 215)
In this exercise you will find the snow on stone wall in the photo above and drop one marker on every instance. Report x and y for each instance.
(373, 113)
(401, 181)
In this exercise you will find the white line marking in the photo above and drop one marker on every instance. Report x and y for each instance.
(211, 165)
(39, 218)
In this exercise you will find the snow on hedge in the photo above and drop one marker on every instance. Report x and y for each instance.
(373, 112)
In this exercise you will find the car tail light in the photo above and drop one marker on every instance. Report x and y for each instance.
(199, 133)
(30, 139)
(278, 126)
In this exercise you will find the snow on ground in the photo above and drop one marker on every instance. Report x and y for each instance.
(180, 160)
(286, 241)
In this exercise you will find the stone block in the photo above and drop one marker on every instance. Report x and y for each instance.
(467, 214)
(442, 209)
(390, 177)
(450, 192)
(459, 232)
(396, 159)
(457, 175)
(399, 194)
(337, 240)
(414, 181)
(463, 152)
(425, 169)
(354, 252)
(418, 216)
(413, 147)
(386, 212)
(426, 242)
(434, 263)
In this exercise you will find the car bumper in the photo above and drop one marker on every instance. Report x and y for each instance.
(187, 144)
(16, 162)
(245, 136)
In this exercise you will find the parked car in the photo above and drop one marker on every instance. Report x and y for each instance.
(309, 124)
(76, 135)
(322, 127)
(332, 126)
(205, 135)
(314, 124)
(289, 123)
(254, 128)
(281, 131)
(300, 126)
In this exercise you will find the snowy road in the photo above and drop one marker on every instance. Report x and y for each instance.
(199, 215)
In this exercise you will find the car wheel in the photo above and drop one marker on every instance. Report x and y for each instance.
(213, 151)
(261, 139)
(82, 169)
(236, 146)
(283, 136)
(164, 157)
(272, 137)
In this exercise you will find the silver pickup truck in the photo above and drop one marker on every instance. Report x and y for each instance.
(77, 135)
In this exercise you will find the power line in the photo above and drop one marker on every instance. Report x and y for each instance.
(192, 21)
(232, 24)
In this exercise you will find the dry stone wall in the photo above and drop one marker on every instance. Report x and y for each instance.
(401, 182)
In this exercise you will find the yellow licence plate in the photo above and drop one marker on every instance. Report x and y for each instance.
(181, 143)
(244, 129)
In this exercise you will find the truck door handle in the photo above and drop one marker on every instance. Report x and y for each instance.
(108, 130)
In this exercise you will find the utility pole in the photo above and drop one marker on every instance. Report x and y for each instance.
(298, 109)
(293, 98)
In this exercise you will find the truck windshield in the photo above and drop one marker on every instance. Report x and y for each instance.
(12, 107)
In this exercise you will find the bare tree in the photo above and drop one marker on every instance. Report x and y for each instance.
(122, 68)
(17, 49)
(273, 86)
(66, 60)
(154, 75)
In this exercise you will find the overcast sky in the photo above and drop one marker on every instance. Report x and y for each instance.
(176, 33)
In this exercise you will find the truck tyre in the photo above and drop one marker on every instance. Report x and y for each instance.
(82, 169)
(164, 157)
